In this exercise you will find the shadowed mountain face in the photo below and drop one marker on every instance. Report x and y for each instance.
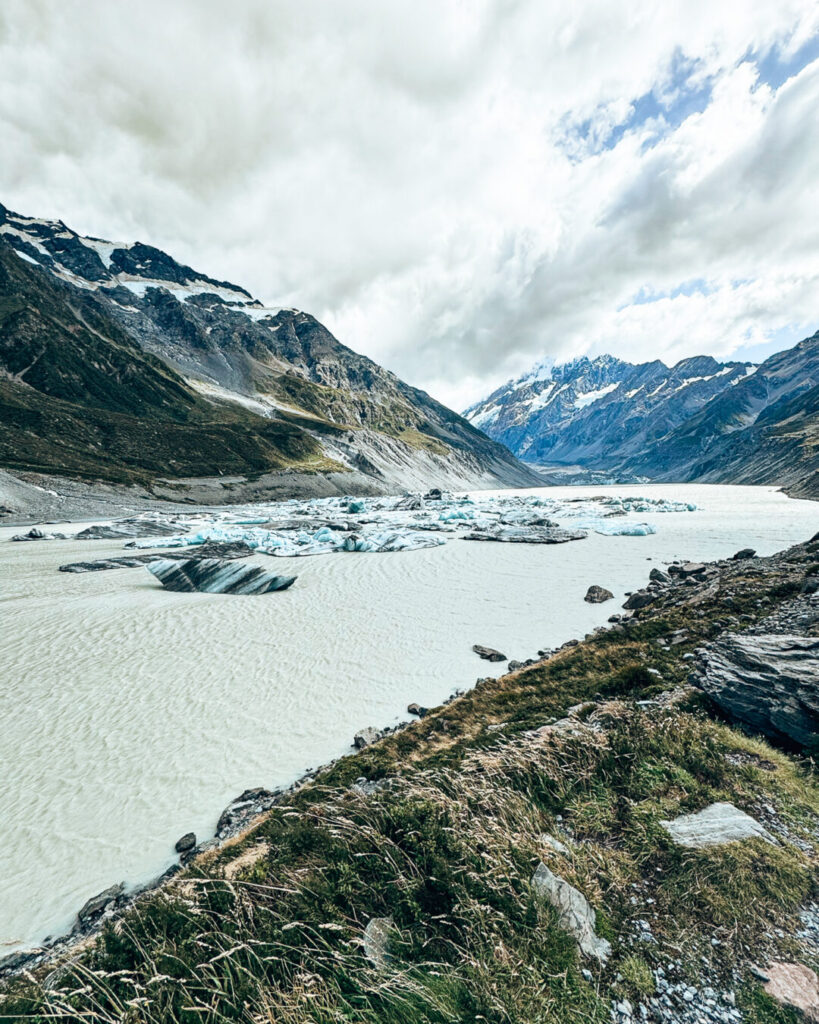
(118, 363)
(697, 420)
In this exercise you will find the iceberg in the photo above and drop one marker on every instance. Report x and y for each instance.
(216, 576)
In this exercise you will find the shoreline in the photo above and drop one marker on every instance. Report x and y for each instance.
(248, 810)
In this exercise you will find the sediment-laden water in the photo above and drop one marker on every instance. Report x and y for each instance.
(129, 715)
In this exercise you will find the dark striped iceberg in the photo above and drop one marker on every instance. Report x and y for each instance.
(216, 576)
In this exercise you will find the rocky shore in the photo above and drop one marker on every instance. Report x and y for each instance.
(645, 737)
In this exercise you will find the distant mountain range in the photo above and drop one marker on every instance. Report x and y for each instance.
(697, 420)
(119, 364)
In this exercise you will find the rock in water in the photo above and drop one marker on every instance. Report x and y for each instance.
(575, 915)
(186, 842)
(488, 653)
(769, 682)
(365, 737)
(597, 595)
(216, 576)
(95, 906)
(743, 553)
(714, 825)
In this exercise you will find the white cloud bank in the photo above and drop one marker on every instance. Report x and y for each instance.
(456, 187)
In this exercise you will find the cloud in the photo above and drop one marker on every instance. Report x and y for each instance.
(456, 188)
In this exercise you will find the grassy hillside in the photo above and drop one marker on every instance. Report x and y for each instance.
(596, 745)
(79, 397)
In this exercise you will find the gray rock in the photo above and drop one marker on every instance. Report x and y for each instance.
(366, 737)
(690, 569)
(488, 653)
(743, 553)
(639, 599)
(597, 595)
(216, 576)
(186, 842)
(554, 844)
(417, 709)
(714, 825)
(658, 576)
(768, 682)
(377, 937)
(96, 905)
(575, 914)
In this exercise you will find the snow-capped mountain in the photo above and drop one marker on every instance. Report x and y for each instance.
(601, 410)
(118, 363)
(698, 419)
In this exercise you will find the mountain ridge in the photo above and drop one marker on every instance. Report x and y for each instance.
(699, 419)
(80, 316)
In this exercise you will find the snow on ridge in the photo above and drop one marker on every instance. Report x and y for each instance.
(594, 396)
(488, 415)
(27, 258)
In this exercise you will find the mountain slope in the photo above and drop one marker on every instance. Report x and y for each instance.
(91, 332)
(764, 430)
(599, 412)
(698, 420)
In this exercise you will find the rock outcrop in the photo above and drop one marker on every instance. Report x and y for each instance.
(770, 683)
(488, 653)
(714, 825)
(575, 914)
(597, 595)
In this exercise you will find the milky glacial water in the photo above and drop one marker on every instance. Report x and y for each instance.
(130, 715)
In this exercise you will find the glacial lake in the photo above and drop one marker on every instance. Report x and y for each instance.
(130, 715)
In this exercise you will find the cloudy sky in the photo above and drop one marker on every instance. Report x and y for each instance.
(457, 188)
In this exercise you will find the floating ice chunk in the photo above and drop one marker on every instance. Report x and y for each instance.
(618, 528)
(451, 514)
(216, 576)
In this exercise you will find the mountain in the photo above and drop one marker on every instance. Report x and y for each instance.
(697, 420)
(119, 364)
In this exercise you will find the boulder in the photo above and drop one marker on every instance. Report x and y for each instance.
(488, 653)
(575, 915)
(597, 595)
(216, 576)
(794, 985)
(186, 842)
(366, 737)
(97, 904)
(658, 576)
(690, 569)
(417, 709)
(743, 553)
(639, 599)
(714, 825)
(769, 683)
(377, 936)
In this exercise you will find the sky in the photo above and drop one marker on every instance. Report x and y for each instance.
(456, 188)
